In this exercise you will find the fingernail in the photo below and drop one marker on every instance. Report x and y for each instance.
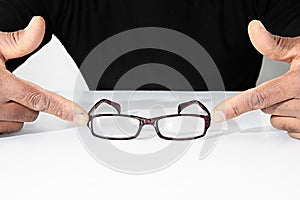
(80, 119)
(218, 116)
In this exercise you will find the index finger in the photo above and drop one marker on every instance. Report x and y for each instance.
(270, 93)
(39, 99)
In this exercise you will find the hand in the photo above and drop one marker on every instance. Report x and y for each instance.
(279, 97)
(21, 101)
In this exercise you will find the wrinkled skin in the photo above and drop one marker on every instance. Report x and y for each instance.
(279, 97)
(21, 101)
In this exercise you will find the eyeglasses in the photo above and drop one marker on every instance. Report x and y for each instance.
(170, 127)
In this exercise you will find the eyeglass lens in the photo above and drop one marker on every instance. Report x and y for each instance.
(178, 127)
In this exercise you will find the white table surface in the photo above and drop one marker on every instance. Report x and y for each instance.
(251, 160)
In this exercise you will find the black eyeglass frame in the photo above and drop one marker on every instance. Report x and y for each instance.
(149, 121)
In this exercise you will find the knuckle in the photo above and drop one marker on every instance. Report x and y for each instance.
(38, 101)
(277, 40)
(257, 100)
(283, 46)
(235, 108)
(283, 43)
(13, 41)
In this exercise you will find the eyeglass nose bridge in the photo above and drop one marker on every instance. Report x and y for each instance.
(146, 121)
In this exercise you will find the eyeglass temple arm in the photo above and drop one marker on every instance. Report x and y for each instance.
(102, 101)
(189, 103)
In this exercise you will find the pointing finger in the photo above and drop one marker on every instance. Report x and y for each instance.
(261, 97)
(39, 99)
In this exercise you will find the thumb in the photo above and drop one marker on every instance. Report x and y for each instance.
(272, 92)
(275, 47)
(20, 43)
